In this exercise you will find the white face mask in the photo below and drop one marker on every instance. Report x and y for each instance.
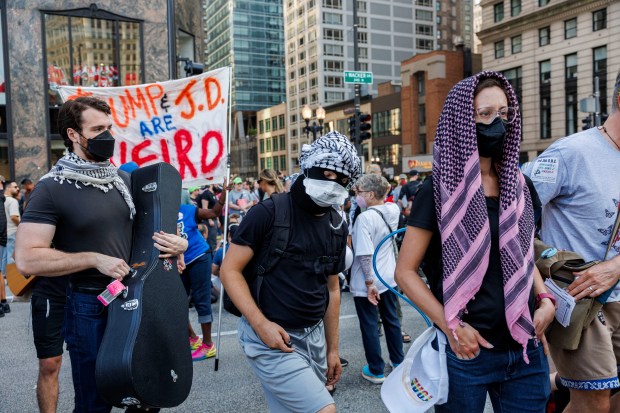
(325, 193)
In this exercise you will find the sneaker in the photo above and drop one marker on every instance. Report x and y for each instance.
(204, 352)
(373, 378)
(1, 311)
(344, 362)
(195, 344)
(6, 307)
(394, 365)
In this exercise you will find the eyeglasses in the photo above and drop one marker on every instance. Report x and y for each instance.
(488, 114)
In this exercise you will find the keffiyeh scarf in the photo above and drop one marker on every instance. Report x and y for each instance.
(332, 151)
(101, 175)
(462, 213)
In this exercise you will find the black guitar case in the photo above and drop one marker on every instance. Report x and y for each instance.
(144, 359)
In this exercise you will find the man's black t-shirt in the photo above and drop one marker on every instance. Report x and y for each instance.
(486, 313)
(209, 197)
(86, 220)
(294, 294)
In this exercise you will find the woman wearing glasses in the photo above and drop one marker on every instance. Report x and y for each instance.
(471, 227)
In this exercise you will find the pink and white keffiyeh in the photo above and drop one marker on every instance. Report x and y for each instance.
(462, 213)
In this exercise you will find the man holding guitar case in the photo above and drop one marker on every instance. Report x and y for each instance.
(84, 207)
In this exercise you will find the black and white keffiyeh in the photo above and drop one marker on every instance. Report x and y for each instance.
(332, 151)
(101, 175)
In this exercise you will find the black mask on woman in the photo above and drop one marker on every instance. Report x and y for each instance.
(101, 147)
(491, 139)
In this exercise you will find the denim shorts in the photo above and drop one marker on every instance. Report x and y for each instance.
(512, 385)
(197, 281)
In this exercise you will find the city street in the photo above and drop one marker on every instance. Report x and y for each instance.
(231, 389)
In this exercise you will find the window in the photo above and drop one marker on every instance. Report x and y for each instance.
(570, 90)
(386, 123)
(333, 65)
(261, 126)
(599, 20)
(267, 125)
(332, 34)
(424, 29)
(261, 146)
(362, 37)
(276, 164)
(544, 90)
(544, 36)
(421, 84)
(422, 114)
(274, 123)
(542, 3)
(102, 50)
(423, 143)
(515, 77)
(599, 63)
(282, 142)
(302, 71)
(334, 81)
(515, 43)
(570, 66)
(515, 7)
(281, 121)
(498, 12)
(262, 163)
(274, 143)
(570, 28)
(332, 18)
(332, 4)
(499, 49)
(267, 145)
(333, 50)
(424, 44)
(283, 162)
(363, 52)
(362, 22)
(425, 3)
(269, 163)
(424, 15)
(361, 6)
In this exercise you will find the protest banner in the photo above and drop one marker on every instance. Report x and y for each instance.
(183, 122)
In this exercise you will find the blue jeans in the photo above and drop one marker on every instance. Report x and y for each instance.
(367, 315)
(85, 323)
(512, 385)
(7, 252)
(197, 279)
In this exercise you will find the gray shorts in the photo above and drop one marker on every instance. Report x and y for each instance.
(292, 382)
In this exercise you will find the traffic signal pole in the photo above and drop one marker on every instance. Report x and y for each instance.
(356, 138)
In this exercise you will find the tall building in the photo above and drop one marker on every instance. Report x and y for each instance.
(319, 46)
(251, 41)
(552, 51)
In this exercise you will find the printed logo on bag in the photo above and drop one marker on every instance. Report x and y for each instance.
(130, 401)
(601, 318)
(130, 305)
(419, 390)
(174, 376)
(152, 187)
(168, 264)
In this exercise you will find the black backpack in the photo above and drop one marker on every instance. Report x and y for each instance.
(268, 259)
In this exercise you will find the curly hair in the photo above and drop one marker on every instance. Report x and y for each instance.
(70, 115)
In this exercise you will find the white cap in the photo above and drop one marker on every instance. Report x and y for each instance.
(421, 380)
(348, 260)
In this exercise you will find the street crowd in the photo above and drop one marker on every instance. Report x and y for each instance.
(296, 243)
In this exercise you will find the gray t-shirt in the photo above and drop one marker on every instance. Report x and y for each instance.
(578, 182)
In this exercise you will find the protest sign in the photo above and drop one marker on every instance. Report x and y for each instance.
(183, 122)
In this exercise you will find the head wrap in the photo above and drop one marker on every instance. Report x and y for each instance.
(462, 213)
(332, 151)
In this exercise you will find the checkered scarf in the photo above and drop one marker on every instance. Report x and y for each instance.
(332, 151)
(462, 212)
(101, 175)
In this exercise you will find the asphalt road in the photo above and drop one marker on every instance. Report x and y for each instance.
(233, 388)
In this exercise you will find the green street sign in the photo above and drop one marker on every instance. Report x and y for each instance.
(357, 77)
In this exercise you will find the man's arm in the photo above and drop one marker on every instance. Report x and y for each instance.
(34, 256)
(334, 369)
(203, 214)
(15, 219)
(237, 257)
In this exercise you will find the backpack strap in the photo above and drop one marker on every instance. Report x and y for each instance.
(394, 246)
(280, 234)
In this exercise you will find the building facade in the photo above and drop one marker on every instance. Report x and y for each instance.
(248, 36)
(47, 43)
(273, 149)
(552, 51)
(455, 24)
(426, 81)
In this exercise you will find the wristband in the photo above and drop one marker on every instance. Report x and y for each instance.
(541, 296)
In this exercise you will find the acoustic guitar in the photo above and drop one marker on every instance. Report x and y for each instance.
(18, 284)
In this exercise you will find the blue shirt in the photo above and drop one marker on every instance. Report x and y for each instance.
(219, 255)
(188, 229)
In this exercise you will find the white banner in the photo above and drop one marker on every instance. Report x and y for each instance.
(183, 122)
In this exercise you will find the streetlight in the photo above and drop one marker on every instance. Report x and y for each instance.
(306, 113)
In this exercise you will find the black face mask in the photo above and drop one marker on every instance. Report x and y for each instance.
(101, 147)
(491, 139)
(319, 173)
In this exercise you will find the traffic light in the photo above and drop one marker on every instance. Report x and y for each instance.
(365, 126)
(193, 68)
(352, 132)
(587, 122)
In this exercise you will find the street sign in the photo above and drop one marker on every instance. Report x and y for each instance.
(357, 77)
(348, 111)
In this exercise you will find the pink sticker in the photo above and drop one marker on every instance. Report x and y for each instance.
(115, 287)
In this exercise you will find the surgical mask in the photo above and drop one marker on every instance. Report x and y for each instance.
(325, 193)
(491, 139)
(101, 147)
(361, 202)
